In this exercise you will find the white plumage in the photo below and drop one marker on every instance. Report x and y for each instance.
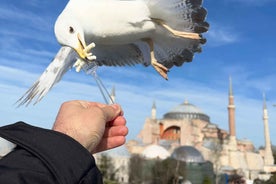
(161, 33)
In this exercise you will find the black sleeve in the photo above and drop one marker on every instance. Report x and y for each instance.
(45, 157)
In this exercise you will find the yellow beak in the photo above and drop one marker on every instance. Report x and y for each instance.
(81, 47)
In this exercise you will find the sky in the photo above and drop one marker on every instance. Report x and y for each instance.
(240, 44)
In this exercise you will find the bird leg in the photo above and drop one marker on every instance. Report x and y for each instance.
(89, 57)
(161, 69)
(182, 34)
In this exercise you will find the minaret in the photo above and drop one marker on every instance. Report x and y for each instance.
(231, 117)
(268, 157)
(153, 111)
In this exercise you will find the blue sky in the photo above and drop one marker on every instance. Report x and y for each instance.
(240, 43)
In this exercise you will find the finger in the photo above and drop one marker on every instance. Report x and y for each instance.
(115, 131)
(118, 121)
(109, 143)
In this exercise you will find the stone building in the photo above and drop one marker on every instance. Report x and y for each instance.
(188, 125)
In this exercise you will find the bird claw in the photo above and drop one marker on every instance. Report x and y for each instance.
(88, 56)
(78, 65)
(87, 51)
(91, 57)
(161, 69)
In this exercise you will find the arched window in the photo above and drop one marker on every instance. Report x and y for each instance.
(171, 133)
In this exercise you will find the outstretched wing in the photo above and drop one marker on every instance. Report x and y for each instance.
(63, 61)
(118, 55)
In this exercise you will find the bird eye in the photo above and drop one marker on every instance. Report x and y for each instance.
(71, 30)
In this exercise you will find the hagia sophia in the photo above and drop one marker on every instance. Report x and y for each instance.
(186, 133)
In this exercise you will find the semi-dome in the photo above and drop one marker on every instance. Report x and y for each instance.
(187, 154)
(186, 111)
(155, 151)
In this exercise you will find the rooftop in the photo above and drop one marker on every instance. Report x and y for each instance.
(186, 110)
(188, 154)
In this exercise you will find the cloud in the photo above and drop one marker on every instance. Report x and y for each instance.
(12, 14)
(204, 84)
(252, 2)
(221, 35)
(135, 97)
(24, 26)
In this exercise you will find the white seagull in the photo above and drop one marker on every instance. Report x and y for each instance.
(160, 33)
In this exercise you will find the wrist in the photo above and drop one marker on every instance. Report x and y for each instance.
(88, 143)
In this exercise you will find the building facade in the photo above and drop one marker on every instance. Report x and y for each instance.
(188, 125)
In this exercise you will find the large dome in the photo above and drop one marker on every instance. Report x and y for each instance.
(187, 154)
(155, 151)
(186, 111)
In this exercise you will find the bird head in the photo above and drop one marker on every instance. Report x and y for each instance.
(69, 33)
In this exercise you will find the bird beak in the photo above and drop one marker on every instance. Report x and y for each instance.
(81, 47)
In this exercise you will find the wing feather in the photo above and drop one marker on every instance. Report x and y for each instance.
(118, 55)
(63, 61)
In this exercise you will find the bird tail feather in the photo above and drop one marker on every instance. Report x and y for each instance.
(170, 51)
(182, 15)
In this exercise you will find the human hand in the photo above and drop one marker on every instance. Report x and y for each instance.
(98, 127)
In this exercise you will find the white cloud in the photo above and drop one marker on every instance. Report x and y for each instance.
(24, 26)
(221, 35)
(12, 14)
(136, 87)
(136, 99)
(252, 2)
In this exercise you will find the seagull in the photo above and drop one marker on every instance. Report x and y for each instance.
(157, 33)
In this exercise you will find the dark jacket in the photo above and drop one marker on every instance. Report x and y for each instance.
(45, 157)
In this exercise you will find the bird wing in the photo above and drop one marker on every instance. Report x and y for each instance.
(118, 55)
(63, 61)
(181, 15)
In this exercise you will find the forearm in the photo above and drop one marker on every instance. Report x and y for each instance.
(45, 156)
(20, 166)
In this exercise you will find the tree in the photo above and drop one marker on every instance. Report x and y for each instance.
(167, 171)
(155, 171)
(107, 169)
(207, 180)
(136, 169)
(272, 179)
(274, 153)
